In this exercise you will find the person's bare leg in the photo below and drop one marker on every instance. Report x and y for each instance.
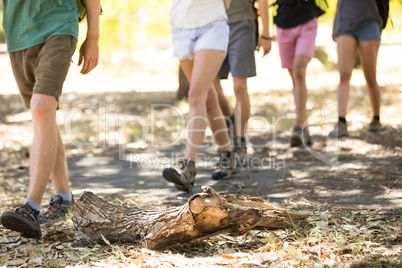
(368, 51)
(201, 73)
(346, 47)
(223, 102)
(242, 108)
(217, 122)
(298, 74)
(59, 174)
(44, 145)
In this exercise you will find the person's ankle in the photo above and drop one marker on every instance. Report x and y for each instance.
(240, 139)
(342, 119)
(67, 195)
(33, 204)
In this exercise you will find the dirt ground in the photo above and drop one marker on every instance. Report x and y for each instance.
(356, 177)
(118, 142)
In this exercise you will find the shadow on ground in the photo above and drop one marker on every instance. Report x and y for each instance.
(363, 169)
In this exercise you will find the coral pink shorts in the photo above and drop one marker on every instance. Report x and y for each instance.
(299, 40)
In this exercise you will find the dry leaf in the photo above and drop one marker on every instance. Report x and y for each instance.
(105, 240)
(267, 247)
(227, 257)
(37, 261)
(16, 262)
(4, 239)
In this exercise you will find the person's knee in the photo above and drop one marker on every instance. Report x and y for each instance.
(211, 104)
(194, 99)
(240, 89)
(345, 76)
(217, 84)
(299, 73)
(43, 108)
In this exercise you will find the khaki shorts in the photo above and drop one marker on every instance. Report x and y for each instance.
(43, 68)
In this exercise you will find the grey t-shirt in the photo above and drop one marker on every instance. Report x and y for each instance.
(351, 15)
(240, 10)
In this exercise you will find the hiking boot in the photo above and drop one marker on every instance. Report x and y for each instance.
(227, 166)
(375, 126)
(182, 175)
(299, 137)
(241, 153)
(340, 130)
(24, 220)
(58, 209)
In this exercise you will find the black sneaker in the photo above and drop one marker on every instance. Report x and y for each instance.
(182, 175)
(58, 209)
(24, 220)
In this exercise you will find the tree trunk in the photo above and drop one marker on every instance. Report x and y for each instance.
(204, 215)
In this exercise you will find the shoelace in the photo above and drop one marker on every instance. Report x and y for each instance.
(53, 208)
(24, 211)
(182, 164)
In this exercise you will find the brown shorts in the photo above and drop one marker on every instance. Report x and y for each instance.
(44, 67)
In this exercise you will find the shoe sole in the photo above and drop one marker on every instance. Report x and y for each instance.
(167, 175)
(17, 223)
(54, 218)
(374, 130)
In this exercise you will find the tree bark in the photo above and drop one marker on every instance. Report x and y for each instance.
(204, 215)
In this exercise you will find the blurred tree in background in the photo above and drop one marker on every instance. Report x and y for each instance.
(130, 26)
(127, 25)
(138, 24)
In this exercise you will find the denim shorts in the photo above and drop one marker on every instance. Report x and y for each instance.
(214, 36)
(370, 31)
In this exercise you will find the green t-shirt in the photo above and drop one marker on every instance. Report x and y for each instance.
(28, 23)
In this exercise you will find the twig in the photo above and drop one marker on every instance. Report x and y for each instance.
(393, 176)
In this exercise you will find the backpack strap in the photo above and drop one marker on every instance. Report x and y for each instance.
(82, 8)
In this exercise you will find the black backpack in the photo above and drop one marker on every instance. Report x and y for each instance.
(383, 9)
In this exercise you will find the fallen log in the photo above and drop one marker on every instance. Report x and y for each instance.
(205, 214)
